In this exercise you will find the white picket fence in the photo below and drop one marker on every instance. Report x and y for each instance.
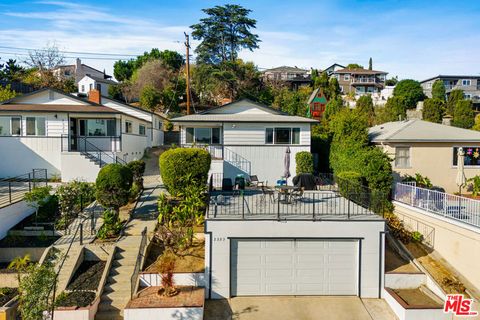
(447, 205)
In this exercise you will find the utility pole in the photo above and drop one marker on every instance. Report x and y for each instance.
(187, 46)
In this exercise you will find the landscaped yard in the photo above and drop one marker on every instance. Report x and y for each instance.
(438, 270)
(75, 299)
(394, 262)
(191, 259)
(87, 276)
(27, 241)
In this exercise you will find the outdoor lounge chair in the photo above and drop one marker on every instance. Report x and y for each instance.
(255, 182)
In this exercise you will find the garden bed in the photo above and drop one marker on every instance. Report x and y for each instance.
(438, 270)
(87, 276)
(27, 241)
(395, 263)
(7, 294)
(417, 297)
(191, 259)
(75, 299)
(186, 297)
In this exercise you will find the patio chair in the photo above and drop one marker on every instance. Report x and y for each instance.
(297, 195)
(266, 191)
(227, 184)
(255, 182)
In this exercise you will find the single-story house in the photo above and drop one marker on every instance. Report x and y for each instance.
(418, 146)
(248, 138)
(70, 136)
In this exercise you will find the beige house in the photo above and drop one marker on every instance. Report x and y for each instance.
(429, 149)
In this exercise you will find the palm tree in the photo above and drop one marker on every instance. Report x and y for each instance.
(20, 264)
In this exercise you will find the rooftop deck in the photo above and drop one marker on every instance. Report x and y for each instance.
(312, 205)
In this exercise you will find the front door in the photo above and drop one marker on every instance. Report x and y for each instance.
(73, 134)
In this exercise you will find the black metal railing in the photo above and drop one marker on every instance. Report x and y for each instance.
(14, 189)
(279, 205)
(138, 264)
(103, 156)
(333, 196)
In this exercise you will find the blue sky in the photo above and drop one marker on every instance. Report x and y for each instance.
(411, 39)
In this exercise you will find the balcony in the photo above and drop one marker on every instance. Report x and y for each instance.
(280, 203)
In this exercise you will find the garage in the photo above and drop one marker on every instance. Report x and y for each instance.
(294, 267)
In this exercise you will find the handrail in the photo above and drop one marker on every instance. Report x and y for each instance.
(138, 262)
(100, 152)
(17, 187)
(54, 285)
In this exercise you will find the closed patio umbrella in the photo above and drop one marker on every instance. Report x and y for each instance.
(461, 179)
(286, 163)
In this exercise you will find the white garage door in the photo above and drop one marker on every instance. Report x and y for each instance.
(294, 267)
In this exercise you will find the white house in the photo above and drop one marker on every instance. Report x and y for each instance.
(69, 136)
(247, 138)
(89, 82)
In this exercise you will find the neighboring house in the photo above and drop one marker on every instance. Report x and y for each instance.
(334, 67)
(469, 84)
(293, 76)
(77, 71)
(88, 83)
(428, 148)
(317, 104)
(70, 136)
(360, 81)
(247, 138)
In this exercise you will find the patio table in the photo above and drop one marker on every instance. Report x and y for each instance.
(286, 192)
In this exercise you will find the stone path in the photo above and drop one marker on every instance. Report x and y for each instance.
(117, 291)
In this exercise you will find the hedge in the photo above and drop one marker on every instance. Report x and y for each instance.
(304, 160)
(113, 185)
(180, 164)
(350, 183)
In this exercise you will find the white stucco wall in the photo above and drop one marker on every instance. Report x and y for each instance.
(22, 154)
(219, 233)
(189, 313)
(76, 167)
(133, 147)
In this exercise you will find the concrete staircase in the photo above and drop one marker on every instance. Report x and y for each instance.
(117, 290)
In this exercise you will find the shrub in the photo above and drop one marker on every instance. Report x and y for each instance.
(397, 228)
(349, 183)
(111, 225)
(463, 114)
(433, 110)
(113, 186)
(38, 196)
(420, 181)
(74, 196)
(138, 169)
(417, 236)
(475, 185)
(177, 164)
(304, 160)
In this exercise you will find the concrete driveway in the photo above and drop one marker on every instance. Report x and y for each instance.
(298, 308)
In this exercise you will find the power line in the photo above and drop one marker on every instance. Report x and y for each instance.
(75, 52)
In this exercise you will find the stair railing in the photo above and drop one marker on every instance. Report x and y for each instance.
(134, 280)
(237, 160)
(98, 154)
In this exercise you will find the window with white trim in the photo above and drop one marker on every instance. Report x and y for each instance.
(346, 77)
(402, 157)
(36, 126)
(202, 135)
(10, 126)
(466, 82)
(97, 127)
(141, 130)
(282, 136)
